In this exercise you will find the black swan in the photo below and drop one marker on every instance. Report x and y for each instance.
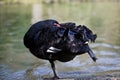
(53, 41)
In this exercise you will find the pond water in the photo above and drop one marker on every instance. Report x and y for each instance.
(17, 63)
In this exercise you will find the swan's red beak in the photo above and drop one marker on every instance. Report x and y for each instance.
(56, 24)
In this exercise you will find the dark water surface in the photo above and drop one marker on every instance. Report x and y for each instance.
(17, 63)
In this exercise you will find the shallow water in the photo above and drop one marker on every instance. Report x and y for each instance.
(17, 63)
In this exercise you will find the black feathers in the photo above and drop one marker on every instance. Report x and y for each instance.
(52, 41)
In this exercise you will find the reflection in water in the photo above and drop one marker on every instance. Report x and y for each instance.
(17, 62)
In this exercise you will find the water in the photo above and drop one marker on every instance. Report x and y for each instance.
(17, 63)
